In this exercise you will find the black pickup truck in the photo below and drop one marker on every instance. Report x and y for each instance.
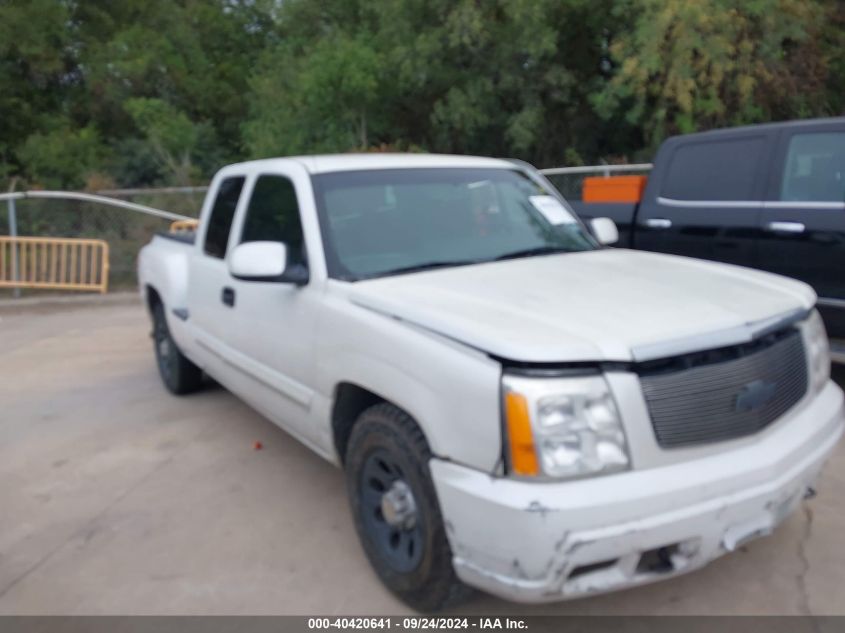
(766, 196)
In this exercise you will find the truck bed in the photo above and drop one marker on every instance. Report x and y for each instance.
(185, 238)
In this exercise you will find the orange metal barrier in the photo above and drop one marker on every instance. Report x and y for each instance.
(613, 189)
(54, 263)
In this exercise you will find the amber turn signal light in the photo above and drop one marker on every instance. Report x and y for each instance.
(523, 457)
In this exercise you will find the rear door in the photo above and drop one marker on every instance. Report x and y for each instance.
(210, 316)
(803, 219)
(705, 196)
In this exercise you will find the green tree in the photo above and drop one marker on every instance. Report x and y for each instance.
(321, 102)
(164, 91)
(74, 65)
(172, 135)
(685, 66)
(195, 55)
(505, 78)
(36, 65)
(63, 157)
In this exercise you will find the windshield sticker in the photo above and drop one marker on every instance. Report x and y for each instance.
(552, 209)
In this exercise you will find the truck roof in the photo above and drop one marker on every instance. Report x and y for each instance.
(760, 127)
(323, 163)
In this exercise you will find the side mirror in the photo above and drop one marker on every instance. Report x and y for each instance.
(265, 261)
(604, 230)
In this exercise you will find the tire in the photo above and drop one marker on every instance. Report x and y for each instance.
(178, 374)
(413, 559)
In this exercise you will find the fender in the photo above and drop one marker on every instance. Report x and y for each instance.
(451, 390)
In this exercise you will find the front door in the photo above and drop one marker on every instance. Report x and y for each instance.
(275, 321)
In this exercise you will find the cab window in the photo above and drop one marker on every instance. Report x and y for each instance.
(273, 216)
(814, 170)
(220, 219)
(714, 170)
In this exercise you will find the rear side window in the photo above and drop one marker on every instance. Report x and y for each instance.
(273, 216)
(220, 219)
(815, 168)
(714, 170)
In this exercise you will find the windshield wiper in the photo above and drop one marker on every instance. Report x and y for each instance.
(426, 266)
(531, 252)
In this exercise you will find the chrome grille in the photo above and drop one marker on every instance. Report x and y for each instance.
(726, 393)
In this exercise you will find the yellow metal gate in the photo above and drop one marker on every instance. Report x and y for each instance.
(54, 263)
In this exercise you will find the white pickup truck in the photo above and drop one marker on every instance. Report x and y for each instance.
(517, 407)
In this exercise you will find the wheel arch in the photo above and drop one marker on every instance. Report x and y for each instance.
(152, 297)
(350, 401)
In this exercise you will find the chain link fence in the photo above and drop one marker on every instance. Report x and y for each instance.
(570, 180)
(126, 231)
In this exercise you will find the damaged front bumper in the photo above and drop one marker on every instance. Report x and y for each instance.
(542, 542)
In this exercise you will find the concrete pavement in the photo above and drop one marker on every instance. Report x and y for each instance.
(117, 498)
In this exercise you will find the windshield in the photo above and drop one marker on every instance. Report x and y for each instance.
(392, 221)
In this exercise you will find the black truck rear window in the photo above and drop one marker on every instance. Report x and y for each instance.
(714, 170)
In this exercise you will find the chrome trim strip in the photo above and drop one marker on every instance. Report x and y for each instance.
(785, 227)
(749, 204)
(744, 333)
(699, 204)
(589, 169)
(779, 204)
(831, 303)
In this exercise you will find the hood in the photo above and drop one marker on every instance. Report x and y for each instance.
(611, 305)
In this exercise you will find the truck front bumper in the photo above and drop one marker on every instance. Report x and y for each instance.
(542, 542)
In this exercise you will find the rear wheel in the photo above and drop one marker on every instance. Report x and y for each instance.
(179, 374)
(395, 509)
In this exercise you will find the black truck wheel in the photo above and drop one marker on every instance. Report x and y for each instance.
(395, 509)
(179, 374)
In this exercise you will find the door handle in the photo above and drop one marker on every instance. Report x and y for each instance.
(785, 227)
(658, 223)
(228, 296)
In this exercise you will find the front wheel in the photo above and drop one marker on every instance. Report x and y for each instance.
(178, 374)
(395, 509)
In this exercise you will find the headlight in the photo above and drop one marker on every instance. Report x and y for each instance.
(818, 351)
(562, 427)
